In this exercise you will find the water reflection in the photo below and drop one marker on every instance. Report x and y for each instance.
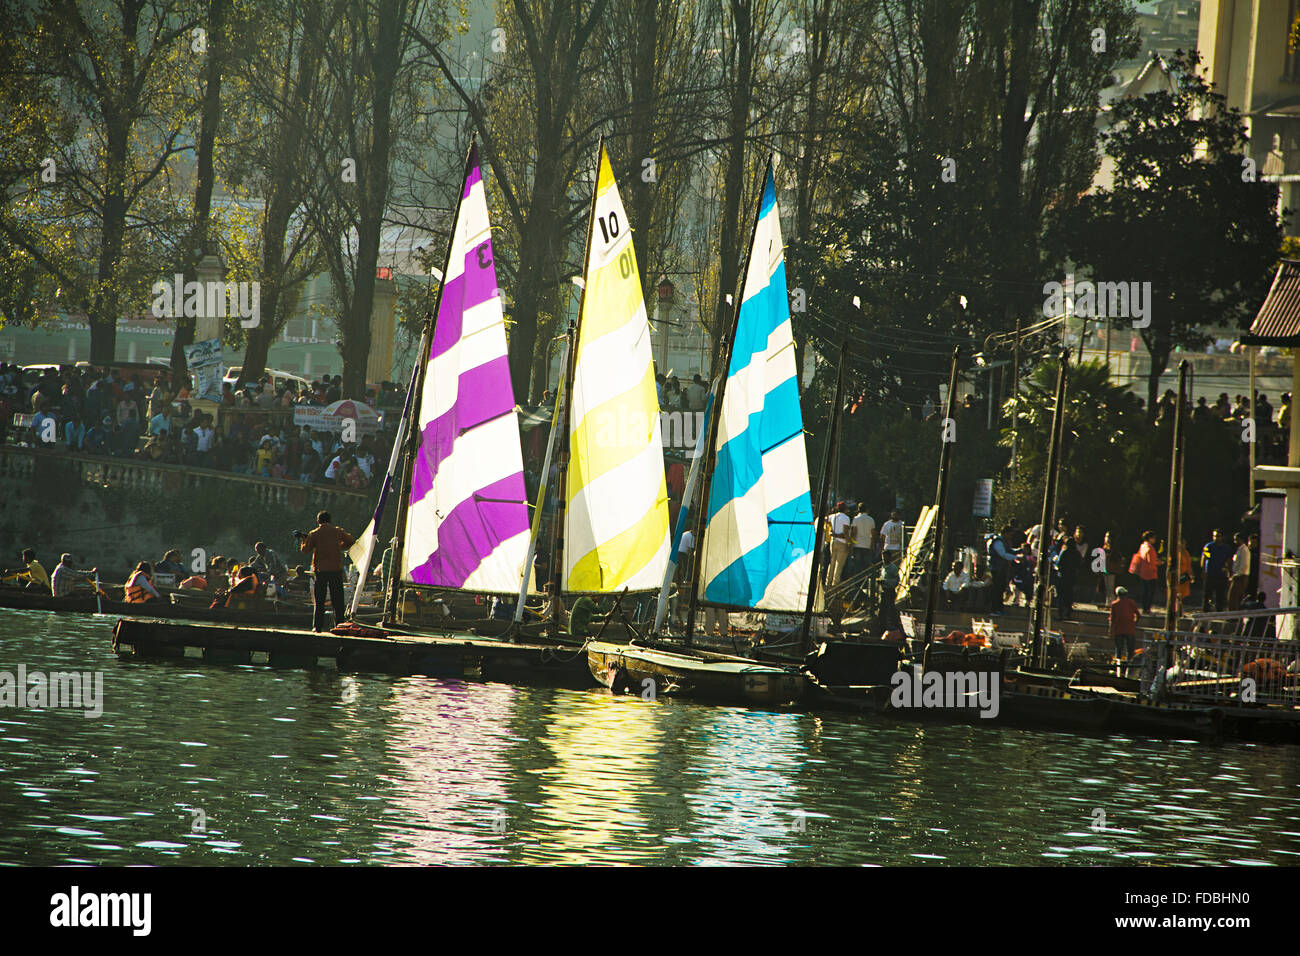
(314, 767)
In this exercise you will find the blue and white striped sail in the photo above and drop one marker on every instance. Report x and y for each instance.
(758, 543)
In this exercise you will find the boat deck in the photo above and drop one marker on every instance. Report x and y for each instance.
(444, 654)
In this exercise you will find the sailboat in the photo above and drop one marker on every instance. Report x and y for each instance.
(462, 525)
(614, 495)
(756, 531)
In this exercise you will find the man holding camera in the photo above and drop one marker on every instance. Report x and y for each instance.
(326, 545)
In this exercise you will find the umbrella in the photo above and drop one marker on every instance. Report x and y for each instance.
(365, 417)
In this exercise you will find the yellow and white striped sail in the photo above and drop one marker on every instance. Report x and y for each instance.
(616, 511)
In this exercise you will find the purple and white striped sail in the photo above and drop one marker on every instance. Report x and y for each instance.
(467, 519)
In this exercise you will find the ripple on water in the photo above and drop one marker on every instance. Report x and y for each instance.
(315, 768)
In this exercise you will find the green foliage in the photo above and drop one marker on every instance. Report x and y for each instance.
(1115, 465)
(1183, 215)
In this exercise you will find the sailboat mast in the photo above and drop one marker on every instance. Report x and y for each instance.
(557, 553)
(412, 428)
(543, 486)
(728, 346)
(832, 439)
(394, 461)
(941, 503)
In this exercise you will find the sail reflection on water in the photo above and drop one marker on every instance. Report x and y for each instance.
(450, 798)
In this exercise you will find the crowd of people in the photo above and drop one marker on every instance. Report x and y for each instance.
(227, 581)
(263, 574)
(88, 411)
(1084, 568)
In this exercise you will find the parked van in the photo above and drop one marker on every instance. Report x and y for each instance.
(278, 378)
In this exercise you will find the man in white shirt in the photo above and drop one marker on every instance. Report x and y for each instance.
(840, 544)
(954, 584)
(682, 574)
(64, 579)
(332, 472)
(1240, 573)
(863, 538)
(891, 538)
(203, 442)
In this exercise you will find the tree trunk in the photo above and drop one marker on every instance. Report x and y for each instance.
(282, 196)
(740, 96)
(185, 325)
(372, 186)
(536, 261)
(644, 117)
(104, 308)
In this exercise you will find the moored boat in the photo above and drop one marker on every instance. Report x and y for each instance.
(655, 671)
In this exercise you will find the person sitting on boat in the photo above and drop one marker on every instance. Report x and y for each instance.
(32, 574)
(269, 564)
(248, 587)
(299, 581)
(580, 618)
(139, 586)
(195, 582)
(552, 606)
(170, 564)
(64, 579)
(216, 574)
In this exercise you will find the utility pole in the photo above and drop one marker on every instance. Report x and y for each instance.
(1038, 649)
(1172, 549)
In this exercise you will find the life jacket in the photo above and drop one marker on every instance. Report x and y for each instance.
(136, 593)
(248, 586)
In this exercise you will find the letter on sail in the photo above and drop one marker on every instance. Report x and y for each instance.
(616, 512)
(757, 549)
(467, 523)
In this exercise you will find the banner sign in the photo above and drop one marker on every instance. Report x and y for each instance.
(982, 507)
(204, 362)
(315, 418)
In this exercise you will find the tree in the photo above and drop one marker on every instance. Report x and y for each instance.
(371, 87)
(284, 111)
(536, 141)
(113, 127)
(1204, 233)
(981, 121)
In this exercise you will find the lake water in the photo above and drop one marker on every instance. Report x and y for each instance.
(243, 765)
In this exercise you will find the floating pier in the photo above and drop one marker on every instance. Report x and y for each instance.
(447, 655)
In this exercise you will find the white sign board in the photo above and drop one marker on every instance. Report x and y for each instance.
(204, 362)
(314, 417)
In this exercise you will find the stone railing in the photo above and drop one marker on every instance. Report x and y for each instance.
(162, 479)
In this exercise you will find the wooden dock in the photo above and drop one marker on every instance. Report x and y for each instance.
(448, 655)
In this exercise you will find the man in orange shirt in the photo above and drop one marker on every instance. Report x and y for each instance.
(1146, 565)
(326, 544)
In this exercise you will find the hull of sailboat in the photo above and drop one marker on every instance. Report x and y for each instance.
(446, 654)
(712, 678)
